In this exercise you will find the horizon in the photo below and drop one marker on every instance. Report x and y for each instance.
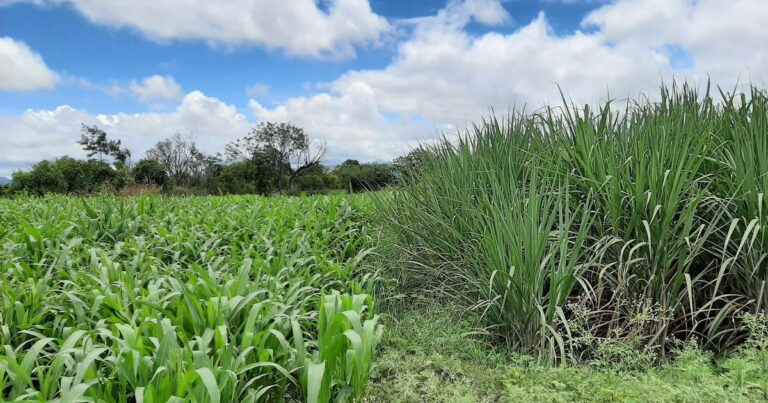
(372, 79)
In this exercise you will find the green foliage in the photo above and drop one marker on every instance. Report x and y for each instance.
(43, 178)
(150, 172)
(346, 343)
(408, 166)
(691, 377)
(215, 299)
(356, 177)
(245, 177)
(579, 233)
(432, 354)
(283, 148)
(68, 175)
(94, 141)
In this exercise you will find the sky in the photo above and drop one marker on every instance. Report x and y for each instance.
(370, 78)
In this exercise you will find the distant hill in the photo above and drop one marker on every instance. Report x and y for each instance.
(4, 180)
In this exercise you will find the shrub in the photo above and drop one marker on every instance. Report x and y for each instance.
(150, 172)
(139, 190)
(68, 175)
(356, 177)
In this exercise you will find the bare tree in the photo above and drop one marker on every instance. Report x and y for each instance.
(305, 160)
(181, 158)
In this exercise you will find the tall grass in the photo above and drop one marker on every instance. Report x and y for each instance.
(642, 223)
(151, 299)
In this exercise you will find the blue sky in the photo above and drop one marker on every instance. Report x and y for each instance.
(370, 78)
(104, 56)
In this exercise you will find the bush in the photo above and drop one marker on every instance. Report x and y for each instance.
(45, 177)
(150, 172)
(356, 177)
(139, 190)
(68, 175)
(244, 178)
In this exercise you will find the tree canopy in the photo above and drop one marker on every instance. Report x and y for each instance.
(95, 142)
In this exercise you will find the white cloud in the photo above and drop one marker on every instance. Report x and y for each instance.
(352, 124)
(22, 69)
(725, 38)
(45, 134)
(488, 12)
(300, 27)
(257, 90)
(156, 88)
(451, 77)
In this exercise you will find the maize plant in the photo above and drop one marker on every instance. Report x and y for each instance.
(151, 299)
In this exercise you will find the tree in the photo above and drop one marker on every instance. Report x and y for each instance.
(43, 178)
(183, 160)
(95, 142)
(369, 176)
(150, 172)
(67, 175)
(285, 148)
(244, 177)
(408, 166)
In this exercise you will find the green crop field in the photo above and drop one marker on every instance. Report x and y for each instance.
(571, 254)
(224, 299)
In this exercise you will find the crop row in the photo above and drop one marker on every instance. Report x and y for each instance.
(206, 299)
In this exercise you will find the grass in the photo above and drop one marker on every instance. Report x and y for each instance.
(432, 355)
(571, 229)
(214, 299)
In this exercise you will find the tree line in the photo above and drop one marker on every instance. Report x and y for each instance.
(271, 158)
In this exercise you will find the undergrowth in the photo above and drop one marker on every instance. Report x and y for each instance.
(431, 354)
(579, 233)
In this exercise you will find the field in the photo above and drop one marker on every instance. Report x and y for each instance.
(203, 299)
(572, 254)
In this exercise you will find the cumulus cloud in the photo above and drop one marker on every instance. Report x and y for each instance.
(352, 124)
(21, 69)
(300, 27)
(450, 77)
(724, 38)
(156, 88)
(45, 134)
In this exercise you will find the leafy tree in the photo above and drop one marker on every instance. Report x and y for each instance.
(285, 148)
(243, 177)
(123, 177)
(76, 174)
(148, 171)
(317, 178)
(43, 178)
(408, 166)
(369, 176)
(68, 175)
(94, 141)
